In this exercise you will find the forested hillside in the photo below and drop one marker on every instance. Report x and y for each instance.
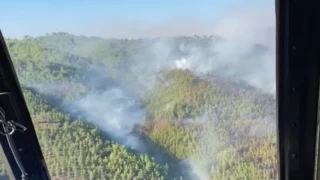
(145, 109)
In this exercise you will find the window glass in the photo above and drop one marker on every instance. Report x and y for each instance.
(4, 166)
(148, 89)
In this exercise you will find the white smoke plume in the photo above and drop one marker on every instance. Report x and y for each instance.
(246, 52)
(243, 28)
(115, 112)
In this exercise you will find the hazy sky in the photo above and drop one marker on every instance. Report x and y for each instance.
(119, 18)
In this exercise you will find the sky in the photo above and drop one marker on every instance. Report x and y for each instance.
(119, 18)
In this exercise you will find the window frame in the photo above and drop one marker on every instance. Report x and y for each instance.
(15, 107)
(297, 69)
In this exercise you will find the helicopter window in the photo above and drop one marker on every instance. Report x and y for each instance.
(148, 90)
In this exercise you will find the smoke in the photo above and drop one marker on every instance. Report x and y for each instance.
(245, 52)
(115, 112)
(252, 22)
(202, 162)
(239, 56)
(247, 25)
(199, 168)
(230, 58)
(253, 63)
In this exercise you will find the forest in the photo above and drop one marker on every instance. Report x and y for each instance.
(146, 109)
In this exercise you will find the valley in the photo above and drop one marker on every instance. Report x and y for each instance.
(135, 109)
